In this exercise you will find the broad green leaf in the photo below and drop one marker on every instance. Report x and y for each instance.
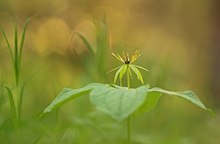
(149, 103)
(188, 95)
(119, 102)
(68, 94)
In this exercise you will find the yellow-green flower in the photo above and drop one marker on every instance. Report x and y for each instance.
(128, 66)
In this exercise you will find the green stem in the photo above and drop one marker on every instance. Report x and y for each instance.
(129, 118)
(129, 130)
(128, 77)
(17, 108)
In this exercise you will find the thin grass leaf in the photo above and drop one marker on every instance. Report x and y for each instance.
(140, 67)
(36, 140)
(22, 40)
(12, 105)
(16, 55)
(102, 44)
(8, 44)
(86, 42)
(15, 42)
(137, 72)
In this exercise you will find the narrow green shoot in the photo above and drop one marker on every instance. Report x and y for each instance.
(101, 44)
(16, 95)
(12, 106)
(86, 42)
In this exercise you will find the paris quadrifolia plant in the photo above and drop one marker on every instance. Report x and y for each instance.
(15, 93)
(121, 102)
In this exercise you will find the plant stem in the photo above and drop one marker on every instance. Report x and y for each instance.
(129, 130)
(129, 118)
(18, 101)
(128, 77)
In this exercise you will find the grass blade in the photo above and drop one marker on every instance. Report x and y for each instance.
(22, 40)
(16, 60)
(86, 42)
(8, 44)
(102, 43)
(15, 42)
(12, 105)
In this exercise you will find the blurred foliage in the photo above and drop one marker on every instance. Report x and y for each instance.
(176, 40)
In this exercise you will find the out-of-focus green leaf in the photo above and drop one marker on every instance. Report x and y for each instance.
(119, 102)
(102, 44)
(188, 95)
(86, 42)
(150, 102)
(22, 40)
(12, 105)
(8, 45)
(68, 94)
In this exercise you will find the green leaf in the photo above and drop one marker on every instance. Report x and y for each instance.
(117, 74)
(85, 41)
(102, 43)
(119, 102)
(122, 72)
(149, 103)
(22, 39)
(140, 67)
(68, 94)
(114, 69)
(137, 72)
(188, 95)
(12, 105)
(8, 45)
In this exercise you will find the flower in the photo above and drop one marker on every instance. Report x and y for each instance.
(128, 66)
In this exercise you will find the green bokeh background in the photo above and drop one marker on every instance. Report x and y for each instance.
(179, 42)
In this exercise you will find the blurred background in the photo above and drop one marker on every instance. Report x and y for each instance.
(179, 42)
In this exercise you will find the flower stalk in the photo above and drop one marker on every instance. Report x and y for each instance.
(128, 67)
